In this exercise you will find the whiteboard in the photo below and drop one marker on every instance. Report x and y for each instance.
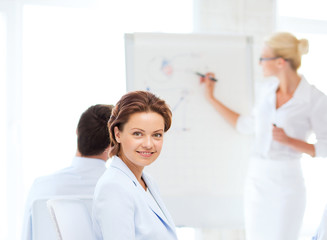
(202, 167)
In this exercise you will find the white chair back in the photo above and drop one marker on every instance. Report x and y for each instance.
(42, 224)
(72, 218)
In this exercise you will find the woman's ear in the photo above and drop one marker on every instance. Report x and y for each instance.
(281, 62)
(117, 134)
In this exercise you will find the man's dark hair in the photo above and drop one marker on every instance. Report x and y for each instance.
(92, 130)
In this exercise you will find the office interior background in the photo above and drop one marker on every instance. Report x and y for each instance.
(57, 57)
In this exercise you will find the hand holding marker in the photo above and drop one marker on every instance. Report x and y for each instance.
(202, 75)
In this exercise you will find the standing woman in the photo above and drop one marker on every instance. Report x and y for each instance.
(286, 112)
(127, 204)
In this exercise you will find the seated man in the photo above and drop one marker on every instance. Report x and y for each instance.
(87, 166)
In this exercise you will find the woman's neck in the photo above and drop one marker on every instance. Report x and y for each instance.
(288, 82)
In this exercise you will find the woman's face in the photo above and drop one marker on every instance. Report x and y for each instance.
(141, 139)
(269, 66)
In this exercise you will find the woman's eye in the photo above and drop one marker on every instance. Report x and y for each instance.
(138, 134)
(158, 135)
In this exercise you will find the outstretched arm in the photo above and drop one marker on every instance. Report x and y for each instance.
(229, 115)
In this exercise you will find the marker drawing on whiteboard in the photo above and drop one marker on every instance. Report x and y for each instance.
(202, 75)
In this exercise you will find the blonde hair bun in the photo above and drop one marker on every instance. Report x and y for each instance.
(287, 46)
(303, 46)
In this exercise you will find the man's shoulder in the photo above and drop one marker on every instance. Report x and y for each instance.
(63, 182)
(53, 177)
(46, 185)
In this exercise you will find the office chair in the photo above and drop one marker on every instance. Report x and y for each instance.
(42, 225)
(72, 218)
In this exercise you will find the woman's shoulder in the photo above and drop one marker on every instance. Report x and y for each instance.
(318, 100)
(317, 93)
(114, 181)
(115, 176)
(113, 189)
(315, 99)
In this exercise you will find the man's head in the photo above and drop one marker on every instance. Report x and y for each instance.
(92, 131)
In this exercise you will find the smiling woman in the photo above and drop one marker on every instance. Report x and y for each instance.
(141, 141)
(127, 204)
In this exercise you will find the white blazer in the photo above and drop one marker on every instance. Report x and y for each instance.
(123, 210)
